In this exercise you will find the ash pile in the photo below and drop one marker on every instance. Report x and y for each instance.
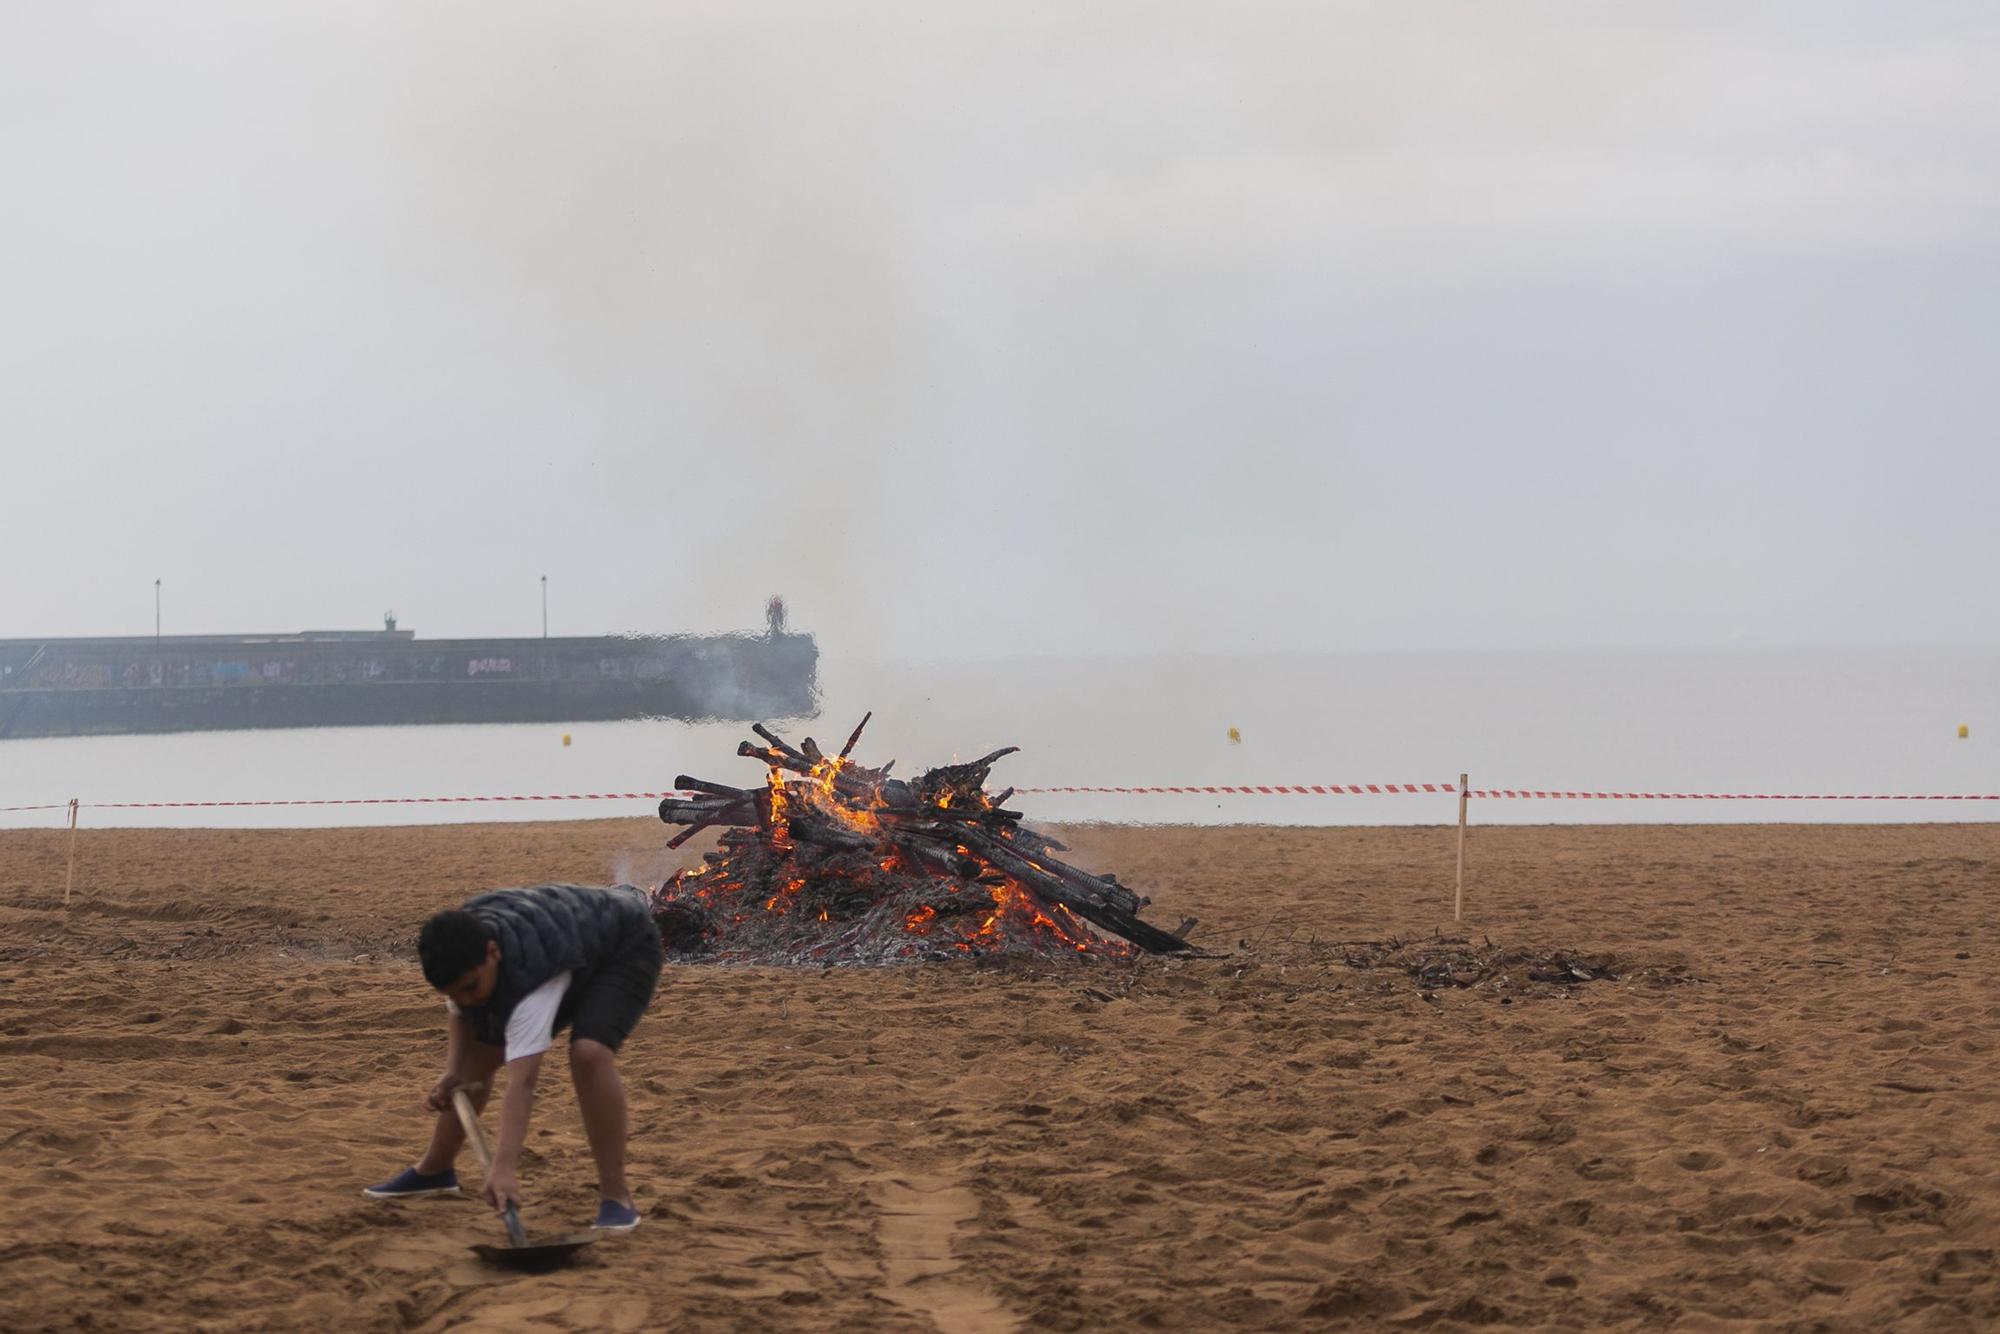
(829, 862)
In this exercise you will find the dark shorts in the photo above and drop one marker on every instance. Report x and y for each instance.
(604, 1004)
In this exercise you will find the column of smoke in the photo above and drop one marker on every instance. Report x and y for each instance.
(648, 196)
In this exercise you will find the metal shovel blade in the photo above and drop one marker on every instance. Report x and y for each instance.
(519, 1254)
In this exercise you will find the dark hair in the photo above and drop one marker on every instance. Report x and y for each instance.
(452, 944)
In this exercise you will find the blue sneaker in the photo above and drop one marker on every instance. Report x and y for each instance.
(615, 1217)
(410, 1184)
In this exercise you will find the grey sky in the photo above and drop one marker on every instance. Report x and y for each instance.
(1021, 327)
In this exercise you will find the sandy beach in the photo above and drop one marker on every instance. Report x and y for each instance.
(1778, 1112)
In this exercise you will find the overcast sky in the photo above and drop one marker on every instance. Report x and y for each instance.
(1005, 328)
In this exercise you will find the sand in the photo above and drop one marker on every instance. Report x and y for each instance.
(1782, 1114)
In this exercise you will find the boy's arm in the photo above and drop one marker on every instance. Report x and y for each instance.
(503, 1187)
(514, 1109)
(529, 1030)
(457, 1037)
(457, 1040)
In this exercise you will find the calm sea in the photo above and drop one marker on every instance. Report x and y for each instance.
(1792, 720)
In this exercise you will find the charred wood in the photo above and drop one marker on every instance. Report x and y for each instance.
(1081, 884)
(777, 742)
(827, 835)
(688, 784)
(700, 815)
(855, 865)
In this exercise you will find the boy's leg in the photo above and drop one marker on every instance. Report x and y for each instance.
(606, 1013)
(482, 1062)
(600, 1093)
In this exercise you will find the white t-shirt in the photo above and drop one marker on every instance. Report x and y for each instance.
(532, 1026)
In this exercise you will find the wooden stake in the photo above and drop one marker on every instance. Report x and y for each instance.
(1458, 896)
(69, 881)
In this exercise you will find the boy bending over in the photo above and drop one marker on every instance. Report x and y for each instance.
(516, 967)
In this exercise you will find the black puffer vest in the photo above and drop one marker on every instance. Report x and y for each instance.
(547, 930)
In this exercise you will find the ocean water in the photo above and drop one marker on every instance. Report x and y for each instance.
(1834, 720)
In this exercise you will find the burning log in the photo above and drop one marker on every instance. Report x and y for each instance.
(777, 743)
(681, 810)
(717, 805)
(829, 861)
(687, 784)
(855, 735)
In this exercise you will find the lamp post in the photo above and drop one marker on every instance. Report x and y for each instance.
(156, 616)
(545, 606)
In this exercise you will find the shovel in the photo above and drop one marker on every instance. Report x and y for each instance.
(517, 1253)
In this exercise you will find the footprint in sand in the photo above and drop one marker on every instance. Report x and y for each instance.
(919, 1216)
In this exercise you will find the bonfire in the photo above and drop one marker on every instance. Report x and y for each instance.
(827, 861)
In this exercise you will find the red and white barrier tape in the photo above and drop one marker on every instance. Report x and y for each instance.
(1247, 790)
(1529, 794)
(1275, 789)
(374, 801)
(1537, 794)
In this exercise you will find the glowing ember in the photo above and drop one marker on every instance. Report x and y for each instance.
(827, 861)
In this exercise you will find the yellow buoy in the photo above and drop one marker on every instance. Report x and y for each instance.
(565, 738)
(1235, 737)
(1963, 731)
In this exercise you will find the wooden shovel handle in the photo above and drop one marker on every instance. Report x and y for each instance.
(474, 1132)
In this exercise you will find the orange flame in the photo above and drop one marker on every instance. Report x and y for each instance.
(781, 833)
